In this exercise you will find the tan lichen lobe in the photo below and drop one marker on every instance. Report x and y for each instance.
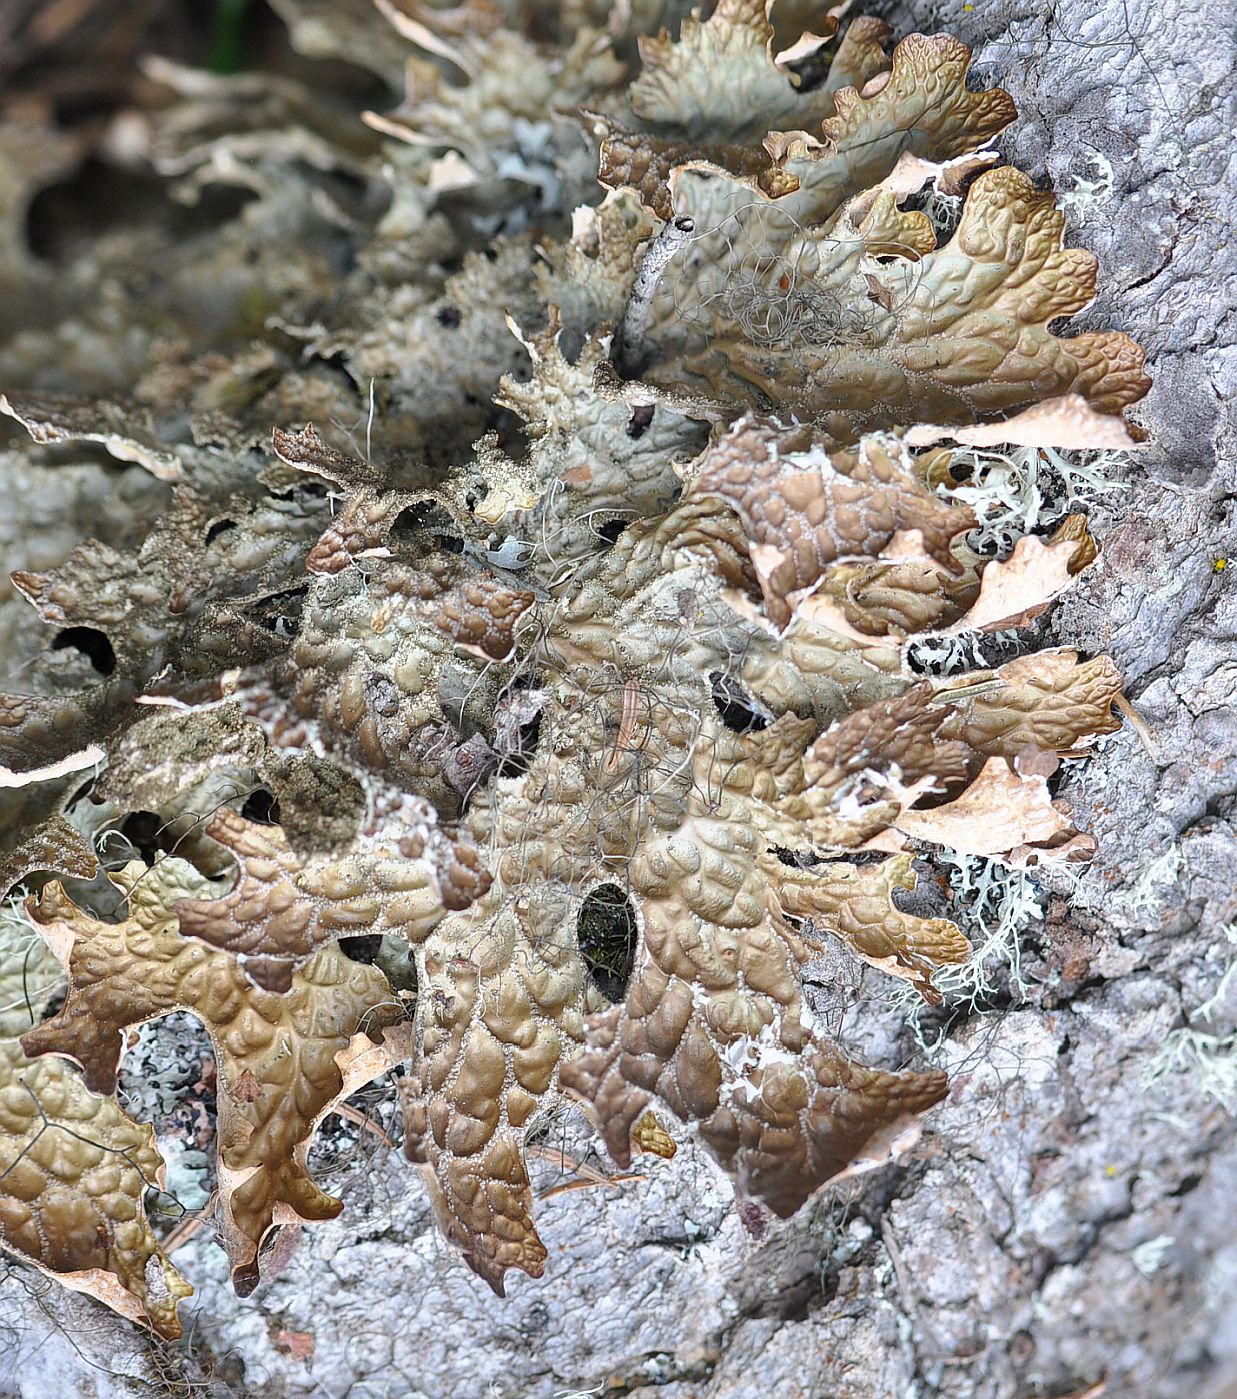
(74, 1171)
(74, 1168)
(123, 974)
(283, 909)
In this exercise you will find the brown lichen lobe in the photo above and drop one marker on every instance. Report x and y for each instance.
(279, 1056)
(527, 671)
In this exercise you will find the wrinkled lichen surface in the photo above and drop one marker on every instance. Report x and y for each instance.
(562, 614)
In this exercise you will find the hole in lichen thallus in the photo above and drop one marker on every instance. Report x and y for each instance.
(641, 417)
(363, 948)
(280, 612)
(100, 200)
(423, 522)
(91, 642)
(606, 933)
(261, 806)
(515, 763)
(149, 835)
(736, 708)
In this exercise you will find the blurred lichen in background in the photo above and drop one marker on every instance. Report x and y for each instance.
(541, 483)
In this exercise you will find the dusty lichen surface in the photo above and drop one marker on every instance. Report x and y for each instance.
(526, 637)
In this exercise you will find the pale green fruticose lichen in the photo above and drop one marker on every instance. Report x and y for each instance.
(1203, 1062)
(1154, 883)
(995, 906)
(1023, 490)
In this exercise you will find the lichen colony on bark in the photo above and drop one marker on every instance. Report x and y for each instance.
(611, 719)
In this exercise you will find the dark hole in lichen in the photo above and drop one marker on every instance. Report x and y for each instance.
(280, 612)
(147, 832)
(261, 806)
(516, 762)
(363, 948)
(448, 317)
(796, 859)
(84, 791)
(308, 489)
(421, 516)
(54, 1005)
(813, 70)
(424, 520)
(641, 417)
(611, 529)
(606, 934)
(91, 642)
(100, 200)
(736, 708)
(216, 529)
(343, 186)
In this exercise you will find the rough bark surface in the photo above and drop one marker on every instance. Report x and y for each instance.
(1063, 1221)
